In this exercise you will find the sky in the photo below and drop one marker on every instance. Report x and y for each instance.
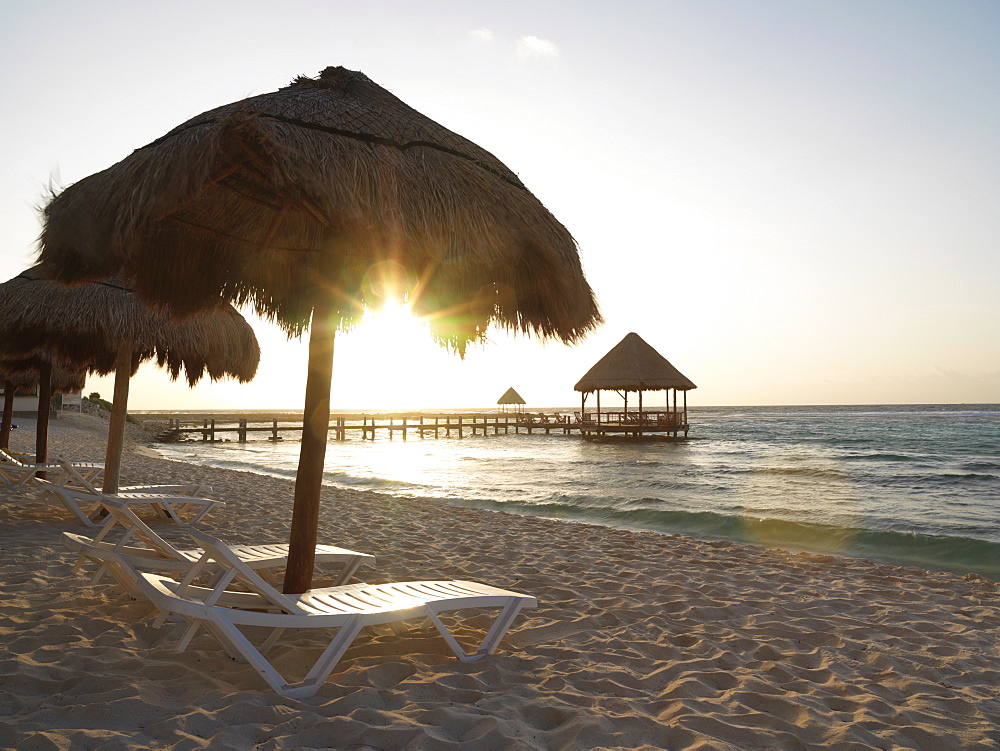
(794, 202)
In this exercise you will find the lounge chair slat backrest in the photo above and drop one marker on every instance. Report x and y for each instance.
(216, 550)
(10, 459)
(74, 478)
(16, 472)
(119, 513)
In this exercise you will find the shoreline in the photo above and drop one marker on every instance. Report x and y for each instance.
(640, 638)
(927, 549)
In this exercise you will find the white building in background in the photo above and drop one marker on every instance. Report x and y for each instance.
(26, 402)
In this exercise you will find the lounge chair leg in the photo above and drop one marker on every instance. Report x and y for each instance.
(492, 638)
(500, 626)
(271, 640)
(187, 636)
(161, 618)
(350, 567)
(324, 665)
(229, 646)
(99, 575)
(399, 628)
(230, 636)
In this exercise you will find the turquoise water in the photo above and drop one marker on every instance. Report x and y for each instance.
(915, 485)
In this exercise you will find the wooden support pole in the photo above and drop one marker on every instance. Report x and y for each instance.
(312, 452)
(675, 413)
(42, 424)
(8, 413)
(116, 426)
(241, 433)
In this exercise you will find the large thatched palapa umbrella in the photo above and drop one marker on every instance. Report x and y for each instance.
(314, 202)
(22, 374)
(103, 327)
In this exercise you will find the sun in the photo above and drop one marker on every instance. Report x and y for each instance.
(386, 360)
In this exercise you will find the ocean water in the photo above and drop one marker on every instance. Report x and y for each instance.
(911, 485)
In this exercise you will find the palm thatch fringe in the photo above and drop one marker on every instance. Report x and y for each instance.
(85, 326)
(331, 186)
(22, 374)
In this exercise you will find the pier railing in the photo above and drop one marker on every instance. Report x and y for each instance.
(215, 427)
(271, 427)
(663, 418)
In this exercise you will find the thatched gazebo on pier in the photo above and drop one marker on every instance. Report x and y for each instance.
(633, 365)
(511, 397)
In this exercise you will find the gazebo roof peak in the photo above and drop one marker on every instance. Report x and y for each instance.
(510, 397)
(633, 365)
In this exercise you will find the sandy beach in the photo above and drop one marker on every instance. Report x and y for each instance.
(640, 640)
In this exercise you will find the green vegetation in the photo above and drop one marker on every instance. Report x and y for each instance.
(104, 404)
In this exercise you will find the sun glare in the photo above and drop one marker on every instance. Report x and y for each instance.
(391, 321)
(393, 349)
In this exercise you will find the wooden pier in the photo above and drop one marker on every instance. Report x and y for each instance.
(210, 428)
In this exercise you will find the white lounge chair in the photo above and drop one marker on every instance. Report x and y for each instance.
(86, 507)
(74, 487)
(82, 476)
(161, 556)
(347, 608)
(13, 471)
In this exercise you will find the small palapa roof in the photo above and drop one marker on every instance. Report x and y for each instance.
(510, 397)
(632, 365)
(24, 373)
(83, 327)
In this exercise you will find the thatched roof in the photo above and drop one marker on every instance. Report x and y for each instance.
(632, 365)
(329, 186)
(510, 397)
(84, 326)
(23, 374)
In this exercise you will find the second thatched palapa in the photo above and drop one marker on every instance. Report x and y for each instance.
(313, 202)
(103, 327)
